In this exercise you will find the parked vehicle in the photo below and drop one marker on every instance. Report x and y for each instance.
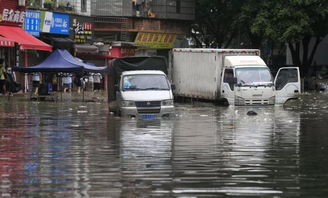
(235, 76)
(141, 86)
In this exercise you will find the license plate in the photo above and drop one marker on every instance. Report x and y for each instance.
(148, 116)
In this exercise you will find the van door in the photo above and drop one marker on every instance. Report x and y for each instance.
(228, 85)
(287, 84)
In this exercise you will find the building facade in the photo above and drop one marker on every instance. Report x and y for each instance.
(150, 26)
(93, 30)
(155, 24)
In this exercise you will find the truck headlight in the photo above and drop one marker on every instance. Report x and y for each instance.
(167, 103)
(128, 103)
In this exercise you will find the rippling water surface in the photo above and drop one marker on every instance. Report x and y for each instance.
(81, 150)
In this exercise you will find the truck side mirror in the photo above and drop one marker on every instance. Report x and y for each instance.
(173, 86)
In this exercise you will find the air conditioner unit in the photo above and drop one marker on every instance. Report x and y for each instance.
(21, 2)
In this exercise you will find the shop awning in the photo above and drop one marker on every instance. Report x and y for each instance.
(24, 39)
(6, 42)
(61, 43)
(86, 49)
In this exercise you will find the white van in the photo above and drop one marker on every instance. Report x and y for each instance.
(145, 94)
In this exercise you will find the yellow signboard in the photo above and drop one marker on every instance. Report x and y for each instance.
(155, 40)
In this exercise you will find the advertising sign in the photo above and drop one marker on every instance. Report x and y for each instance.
(32, 22)
(155, 40)
(55, 23)
(12, 16)
(82, 30)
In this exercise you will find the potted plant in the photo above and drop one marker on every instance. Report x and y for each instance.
(49, 4)
(61, 6)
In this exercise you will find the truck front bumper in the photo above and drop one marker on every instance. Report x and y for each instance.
(163, 111)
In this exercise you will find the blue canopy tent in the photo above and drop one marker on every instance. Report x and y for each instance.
(62, 61)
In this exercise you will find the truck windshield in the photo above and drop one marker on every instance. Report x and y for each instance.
(254, 76)
(145, 82)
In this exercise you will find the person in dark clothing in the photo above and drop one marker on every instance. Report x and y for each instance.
(78, 81)
(11, 85)
(2, 78)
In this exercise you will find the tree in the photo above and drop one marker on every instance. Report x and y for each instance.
(215, 24)
(295, 22)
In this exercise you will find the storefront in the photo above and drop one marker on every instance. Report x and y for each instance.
(15, 42)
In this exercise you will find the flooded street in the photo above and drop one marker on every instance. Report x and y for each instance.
(75, 149)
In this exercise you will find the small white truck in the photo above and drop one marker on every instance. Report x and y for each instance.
(235, 76)
(140, 88)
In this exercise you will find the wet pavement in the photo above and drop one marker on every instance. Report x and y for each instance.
(79, 149)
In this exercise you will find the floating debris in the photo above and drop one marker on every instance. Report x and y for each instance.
(251, 113)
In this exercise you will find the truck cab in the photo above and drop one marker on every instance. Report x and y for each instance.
(144, 94)
(253, 83)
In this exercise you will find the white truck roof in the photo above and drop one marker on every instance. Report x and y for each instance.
(231, 61)
(142, 72)
(224, 51)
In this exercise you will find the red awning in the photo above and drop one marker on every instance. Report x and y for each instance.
(6, 42)
(24, 39)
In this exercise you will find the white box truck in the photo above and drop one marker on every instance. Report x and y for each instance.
(236, 76)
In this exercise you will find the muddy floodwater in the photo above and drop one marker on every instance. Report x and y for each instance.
(76, 149)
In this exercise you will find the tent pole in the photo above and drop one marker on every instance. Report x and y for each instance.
(60, 89)
(25, 76)
(82, 95)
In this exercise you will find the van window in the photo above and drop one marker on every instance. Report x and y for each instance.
(286, 76)
(139, 82)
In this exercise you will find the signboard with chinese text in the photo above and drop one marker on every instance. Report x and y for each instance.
(32, 22)
(55, 23)
(121, 51)
(12, 16)
(155, 40)
(82, 30)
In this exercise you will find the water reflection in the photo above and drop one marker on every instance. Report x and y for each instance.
(145, 157)
(225, 151)
(81, 150)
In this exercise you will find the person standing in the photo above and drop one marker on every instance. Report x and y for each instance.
(67, 82)
(97, 81)
(11, 80)
(90, 82)
(2, 78)
(36, 82)
(78, 82)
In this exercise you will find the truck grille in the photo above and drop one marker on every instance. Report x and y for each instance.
(255, 102)
(149, 110)
(148, 103)
(148, 107)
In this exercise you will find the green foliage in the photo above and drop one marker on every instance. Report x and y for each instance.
(49, 3)
(295, 22)
(290, 20)
(226, 23)
(214, 25)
